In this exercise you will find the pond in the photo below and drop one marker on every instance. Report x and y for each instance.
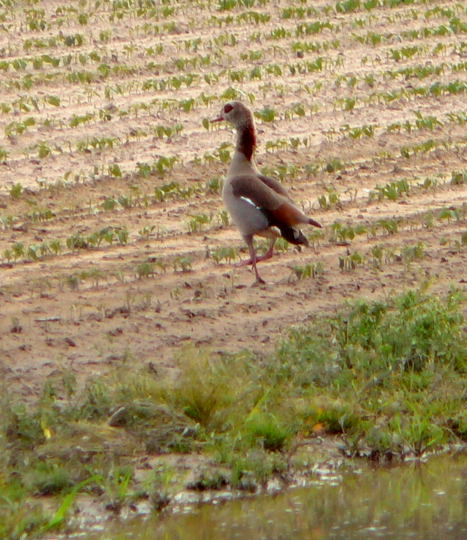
(416, 500)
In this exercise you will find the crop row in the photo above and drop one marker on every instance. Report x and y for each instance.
(217, 43)
(163, 165)
(267, 71)
(377, 257)
(267, 114)
(338, 232)
(40, 19)
(98, 56)
(115, 69)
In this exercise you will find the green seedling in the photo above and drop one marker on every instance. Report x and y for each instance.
(228, 254)
(349, 262)
(146, 231)
(197, 222)
(307, 271)
(449, 214)
(413, 253)
(348, 6)
(115, 171)
(77, 120)
(15, 128)
(109, 204)
(315, 237)
(389, 226)
(342, 234)
(76, 241)
(213, 186)
(223, 218)
(426, 122)
(391, 191)
(329, 200)
(182, 264)
(459, 178)
(16, 191)
(334, 165)
(266, 114)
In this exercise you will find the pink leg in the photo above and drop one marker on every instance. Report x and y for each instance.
(269, 253)
(253, 259)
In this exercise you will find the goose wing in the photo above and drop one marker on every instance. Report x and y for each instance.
(274, 185)
(275, 205)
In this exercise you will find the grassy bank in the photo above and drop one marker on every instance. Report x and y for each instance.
(387, 376)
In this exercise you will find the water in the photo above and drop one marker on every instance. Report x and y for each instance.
(420, 501)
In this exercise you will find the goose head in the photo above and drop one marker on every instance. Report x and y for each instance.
(236, 114)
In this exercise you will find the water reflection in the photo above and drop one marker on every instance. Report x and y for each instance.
(415, 501)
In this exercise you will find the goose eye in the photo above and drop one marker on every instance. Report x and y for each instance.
(228, 108)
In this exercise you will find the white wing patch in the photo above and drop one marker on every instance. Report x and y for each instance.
(249, 201)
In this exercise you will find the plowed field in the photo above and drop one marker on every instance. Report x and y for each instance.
(114, 244)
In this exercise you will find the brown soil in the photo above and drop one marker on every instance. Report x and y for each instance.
(50, 321)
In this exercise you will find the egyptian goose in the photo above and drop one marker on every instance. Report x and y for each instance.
(258, 205)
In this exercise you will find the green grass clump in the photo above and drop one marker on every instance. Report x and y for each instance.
(48, 479)
(395, 366)
(267, 429)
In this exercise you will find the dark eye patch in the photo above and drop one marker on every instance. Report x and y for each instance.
(228, 108)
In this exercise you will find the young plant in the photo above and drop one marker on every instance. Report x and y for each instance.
(349, 262)
(307, 271)
(329, 200)
(16, 191)
(227, 254)
(182, 264)
(197, 222)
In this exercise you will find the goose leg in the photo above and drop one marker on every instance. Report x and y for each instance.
(253, 258)
(269, 253)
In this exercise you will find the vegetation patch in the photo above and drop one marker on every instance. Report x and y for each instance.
(386, 376)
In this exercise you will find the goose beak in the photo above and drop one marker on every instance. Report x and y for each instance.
(219, 118)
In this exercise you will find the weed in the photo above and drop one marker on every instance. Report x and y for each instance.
(204, 391)
(48, 479)
(117, 487)
(267, 430)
